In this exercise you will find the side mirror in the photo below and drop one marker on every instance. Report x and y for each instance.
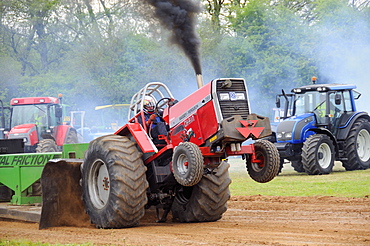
(277, 102)
(338, 99)
(58, 112)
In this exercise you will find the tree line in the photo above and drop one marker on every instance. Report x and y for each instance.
(99, 52)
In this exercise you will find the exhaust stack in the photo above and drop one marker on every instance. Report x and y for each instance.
(200, 80)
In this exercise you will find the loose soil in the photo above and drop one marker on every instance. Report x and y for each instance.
(249, 220)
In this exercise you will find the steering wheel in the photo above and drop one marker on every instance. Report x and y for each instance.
(156, 109)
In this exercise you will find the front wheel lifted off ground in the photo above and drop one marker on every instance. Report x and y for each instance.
(318, 154)
(268, 164)
(207, 200)
(114, 182)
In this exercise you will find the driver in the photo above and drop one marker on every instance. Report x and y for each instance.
(153, 120)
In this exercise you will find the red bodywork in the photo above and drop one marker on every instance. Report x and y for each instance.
(34, 100)
(59, 133)
(29, 129)
(192, 119)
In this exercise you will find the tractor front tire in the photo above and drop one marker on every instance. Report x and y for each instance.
(114, 182)
(46, 145)
(269, 162)
(318, 154)
(357, 146)
(297, 166)
(187, 164)
(207, 200)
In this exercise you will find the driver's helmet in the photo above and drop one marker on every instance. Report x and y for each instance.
(149, 104)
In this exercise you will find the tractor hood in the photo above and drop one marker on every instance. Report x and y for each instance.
(296, 128)
(28, 132)
(24, 128)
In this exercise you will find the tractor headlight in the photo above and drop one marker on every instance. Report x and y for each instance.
(284, 136)
(224, 97)
(240, 96)
(321, 89)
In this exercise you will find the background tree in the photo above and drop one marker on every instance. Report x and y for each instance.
(101, 52)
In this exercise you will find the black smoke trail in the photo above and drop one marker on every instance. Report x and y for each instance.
(178, 16)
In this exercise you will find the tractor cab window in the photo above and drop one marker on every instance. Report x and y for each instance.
(336, 106)
(31, 114)
(347, 102)
(316, 102)
(309, 101)
(53, 119)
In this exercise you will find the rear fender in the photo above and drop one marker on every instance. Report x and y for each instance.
(345, 127)
(60, 133)
(139, 134)
(325, 131)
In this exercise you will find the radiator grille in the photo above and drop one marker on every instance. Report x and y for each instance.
(231, 108)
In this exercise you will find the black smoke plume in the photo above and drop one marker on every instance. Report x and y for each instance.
(178, 16)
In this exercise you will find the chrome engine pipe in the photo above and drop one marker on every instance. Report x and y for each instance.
(199, 80)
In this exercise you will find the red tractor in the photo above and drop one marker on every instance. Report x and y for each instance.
(185, 172)
(39, 122)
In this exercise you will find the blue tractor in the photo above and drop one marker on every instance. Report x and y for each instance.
(319, 124)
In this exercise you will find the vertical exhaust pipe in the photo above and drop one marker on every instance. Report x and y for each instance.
(199, 80)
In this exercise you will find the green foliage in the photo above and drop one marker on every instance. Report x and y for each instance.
(103, 55)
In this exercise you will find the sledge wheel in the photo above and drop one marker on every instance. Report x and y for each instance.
(187, 164)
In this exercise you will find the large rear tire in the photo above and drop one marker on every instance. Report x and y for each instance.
(114, 182)
(318, 154)
(357, 146)
(207, 200)
(269, 162)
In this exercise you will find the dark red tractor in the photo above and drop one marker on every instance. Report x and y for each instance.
(39, 122)
(183, 171)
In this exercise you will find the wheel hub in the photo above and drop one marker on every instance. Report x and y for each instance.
(324, 155)
(99, 184)
(363, 145)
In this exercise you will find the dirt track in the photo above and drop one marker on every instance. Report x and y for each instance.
(250, 220)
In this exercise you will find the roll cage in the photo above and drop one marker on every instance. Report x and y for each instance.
(158, 91)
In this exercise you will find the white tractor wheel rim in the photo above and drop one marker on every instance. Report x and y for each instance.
(99, 184)
(363, 145)
(325, 161)
(182, 164)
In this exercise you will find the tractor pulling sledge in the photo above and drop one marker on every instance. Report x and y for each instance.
(186, 173)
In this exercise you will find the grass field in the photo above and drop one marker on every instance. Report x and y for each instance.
(339, 183)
